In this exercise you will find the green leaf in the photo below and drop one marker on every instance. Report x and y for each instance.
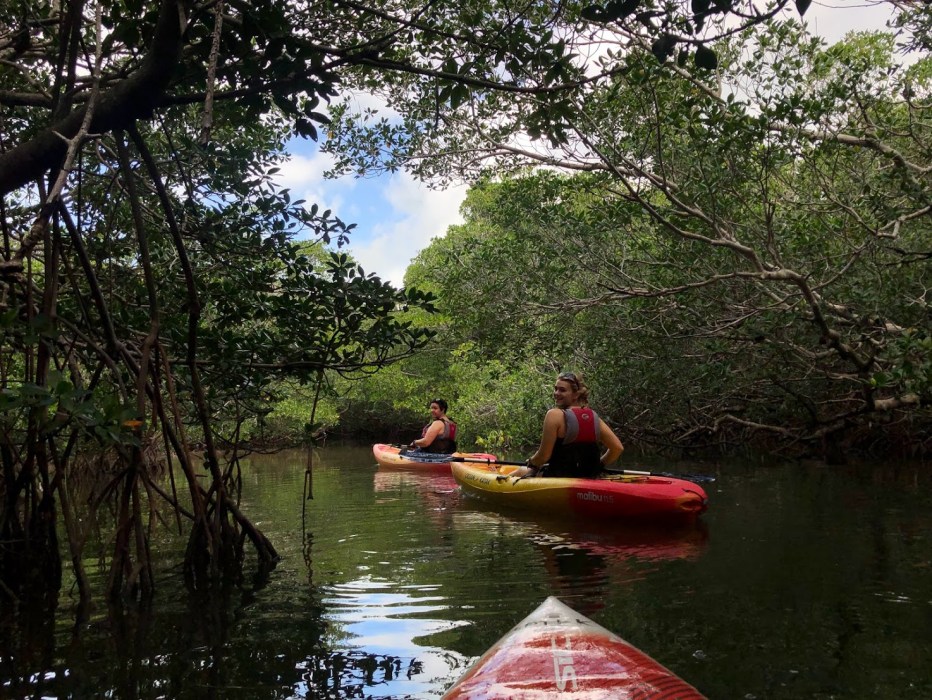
(318, 117)
(706, 58)
(663, 47)
(802, 6)
(593, 13)
(305, 128)
(619, 9)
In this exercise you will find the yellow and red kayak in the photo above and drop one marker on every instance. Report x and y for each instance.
(623, 497)
(555, 652)
(390, 457)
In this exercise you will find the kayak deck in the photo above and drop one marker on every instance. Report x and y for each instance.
(390, 457)
(558, 652)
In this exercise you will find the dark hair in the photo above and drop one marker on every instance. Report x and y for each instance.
(578, 384)
(441, 403)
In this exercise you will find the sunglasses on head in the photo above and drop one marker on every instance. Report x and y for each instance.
(569, 377)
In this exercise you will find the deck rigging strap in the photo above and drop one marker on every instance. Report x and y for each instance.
(427, 456)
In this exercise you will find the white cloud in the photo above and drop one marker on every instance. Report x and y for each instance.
(416, 215)
(396, 216)
(303, 176)
(832, 21)
(360, 101)
(303, 171)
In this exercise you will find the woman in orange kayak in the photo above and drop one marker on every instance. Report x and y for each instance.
(573, 433)
(438, 436)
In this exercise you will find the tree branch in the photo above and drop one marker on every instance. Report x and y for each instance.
(131, 99)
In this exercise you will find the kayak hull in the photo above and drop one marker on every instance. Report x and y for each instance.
(390, 457)
(624, 497)
(558, 652)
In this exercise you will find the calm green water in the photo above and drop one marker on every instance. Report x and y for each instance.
(802, 582)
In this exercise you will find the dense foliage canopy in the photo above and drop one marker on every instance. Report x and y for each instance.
(731, 257)
(741, 202)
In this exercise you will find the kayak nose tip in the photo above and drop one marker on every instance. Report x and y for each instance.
(693, 504)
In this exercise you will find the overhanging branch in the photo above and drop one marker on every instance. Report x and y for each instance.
(131, 99)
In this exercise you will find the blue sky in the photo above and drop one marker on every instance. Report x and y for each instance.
(397, 216)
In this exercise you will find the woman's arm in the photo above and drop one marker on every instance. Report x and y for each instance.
(613, 445)
(433, 432)
(553, 421)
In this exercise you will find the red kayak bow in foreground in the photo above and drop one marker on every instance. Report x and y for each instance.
(556, 653)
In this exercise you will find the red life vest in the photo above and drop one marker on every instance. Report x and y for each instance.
(582, 425)
(577, 453)
(444, 443)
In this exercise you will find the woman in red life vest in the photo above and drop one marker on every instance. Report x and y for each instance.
(438, 436)
(573, 434)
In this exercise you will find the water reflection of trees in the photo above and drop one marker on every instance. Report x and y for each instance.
(194, 647)
(581, 560)
(438, 493)
(353, 674)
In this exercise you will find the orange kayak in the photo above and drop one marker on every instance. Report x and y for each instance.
(390, 457)
(557, 653)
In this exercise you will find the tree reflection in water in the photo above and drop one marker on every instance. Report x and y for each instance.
(583, 560)
(350, 674)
